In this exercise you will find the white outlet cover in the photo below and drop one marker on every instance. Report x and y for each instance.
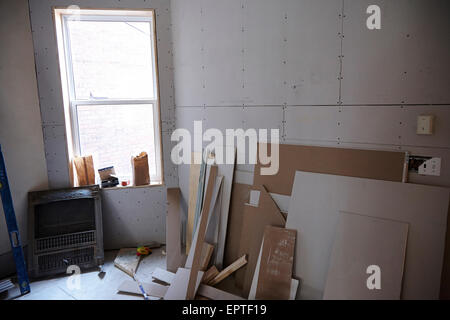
(431, 167)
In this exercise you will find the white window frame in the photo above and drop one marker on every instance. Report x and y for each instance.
(62, 16)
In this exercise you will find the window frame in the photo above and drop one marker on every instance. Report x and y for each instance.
(62, 16)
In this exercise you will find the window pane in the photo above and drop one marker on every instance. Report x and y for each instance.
(111, 59)
(114, 133)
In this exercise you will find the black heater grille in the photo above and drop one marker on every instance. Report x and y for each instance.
(66, 229)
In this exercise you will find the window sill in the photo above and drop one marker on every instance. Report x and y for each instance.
(119, 187)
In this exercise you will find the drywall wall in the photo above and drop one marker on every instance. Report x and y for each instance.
(20, 120)
(136, 214)
(313, 69)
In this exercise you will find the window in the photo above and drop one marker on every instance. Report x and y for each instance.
(110, 88)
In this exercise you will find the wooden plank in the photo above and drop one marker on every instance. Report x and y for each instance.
(80, 171)
(151, 289)
(163, 275)
(381, 165)
(194, 178)
(211, 224)
(210, 274)
(239, 263)
(315, 220)
(360, 242)
(216, 294)
(239, 197)
(275, 273)
(127, 261)
(90, 171)
(178, 288)
(227, 171)
(190, 294)
(252, 293)
(207, 252)
(256, 219)
(173, 230)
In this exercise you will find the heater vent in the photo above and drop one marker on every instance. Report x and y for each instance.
(59, 261)
(65, 241)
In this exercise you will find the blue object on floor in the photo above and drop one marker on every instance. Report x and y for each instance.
(13, 230)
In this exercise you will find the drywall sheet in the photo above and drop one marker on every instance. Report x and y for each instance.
(423, 207)
(173, 230)
(313, 45)
(254, 221)
(277, 257)
(133, 215)
(406, 58)
(361, 243)
(383, 165)
(187, 51)
(221, 31)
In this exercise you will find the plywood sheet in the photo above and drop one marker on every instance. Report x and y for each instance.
(382, 165)
(361, 242)
(163, 275)
(277, 257)
(254, 222)
(423, 207)
(173, 230)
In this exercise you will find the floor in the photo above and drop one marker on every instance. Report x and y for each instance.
(92, 285)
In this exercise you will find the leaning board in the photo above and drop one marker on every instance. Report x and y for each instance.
(314, 210)
(371, 164)
(363, 243)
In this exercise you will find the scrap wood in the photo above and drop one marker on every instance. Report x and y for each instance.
(151, 289)
(211, 224)
(196, 176)
(275, 271)
(178, 288)
(207, 252)
(216, 294)
(210, 274)
(191, 288)
(256, 219)
(127, 261)
(163, 275)
(229, 270)
(173, 232)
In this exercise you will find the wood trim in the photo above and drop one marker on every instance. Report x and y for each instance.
(190, 294)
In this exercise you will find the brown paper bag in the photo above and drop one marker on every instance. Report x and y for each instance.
(139, 165)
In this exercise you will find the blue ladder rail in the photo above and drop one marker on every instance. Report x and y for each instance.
(13, 230)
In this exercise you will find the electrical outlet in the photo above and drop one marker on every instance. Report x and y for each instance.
(425, 124)
(431, 167)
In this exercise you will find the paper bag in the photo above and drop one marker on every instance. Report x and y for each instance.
(139, 165)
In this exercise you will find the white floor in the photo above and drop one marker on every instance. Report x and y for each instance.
(92, 286)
